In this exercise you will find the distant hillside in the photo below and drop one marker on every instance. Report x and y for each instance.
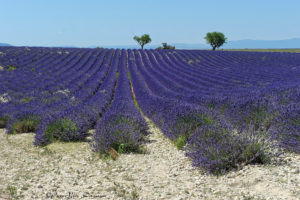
(4, 44)
(191, 46)
(250, 44)
(235, 44)
(149, 46)
(257, 44)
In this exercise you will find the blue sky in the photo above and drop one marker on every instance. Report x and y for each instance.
(115, 22)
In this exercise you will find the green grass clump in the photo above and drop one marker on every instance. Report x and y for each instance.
(186, 125)
(180, 141)
(127, 143)
(125, 147)
(12, 191)
(26, 99)
(11, 68)
(62, 130)
(26, 124)
(254, 153)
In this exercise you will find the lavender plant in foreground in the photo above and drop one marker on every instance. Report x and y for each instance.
(277, 110)
(286, 128)
(217, 149)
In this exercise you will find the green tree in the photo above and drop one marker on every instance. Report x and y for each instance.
(144, 39)
(215, 39)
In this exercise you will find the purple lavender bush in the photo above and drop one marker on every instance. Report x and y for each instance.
(124, 133)
(286, 128)
(217, 149)
(60, 129)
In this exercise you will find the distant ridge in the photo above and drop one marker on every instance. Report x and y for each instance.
(235, 44)
(5, 45)
(259, 44)
(293, 43)
(249, 44)
(125, 46)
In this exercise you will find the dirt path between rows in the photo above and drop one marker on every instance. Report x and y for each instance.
(73, 171)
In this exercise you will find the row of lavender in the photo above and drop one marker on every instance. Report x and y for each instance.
(49, 87)
(242, 122)
(75, 91)
(226, 109)
(253, 102)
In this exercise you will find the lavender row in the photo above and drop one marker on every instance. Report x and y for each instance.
(122, 127)
(73, 123)
(197, 129)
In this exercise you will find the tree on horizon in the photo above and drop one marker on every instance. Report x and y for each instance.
(144, 39)
(215, 39)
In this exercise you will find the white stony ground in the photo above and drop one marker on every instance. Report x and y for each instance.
(73, 171)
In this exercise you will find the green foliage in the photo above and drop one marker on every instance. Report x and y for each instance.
(26, 124)
(222, 109)
(186, 125)
(211, 106)
(192, 121)
(26, 99)
(3, 122)
(11, 68)
(133, 95)
(296, 121)
(51, 99)
(144, 39)
(125, 147)
(255, 153)
(125, 141)
(166, 46)
(180, 141)
(215, 39)
(259, 116)
(61, 130)
(12, 191)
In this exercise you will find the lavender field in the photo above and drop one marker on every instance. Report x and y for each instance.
(224, 109)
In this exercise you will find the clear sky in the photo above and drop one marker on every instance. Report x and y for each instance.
(115, 22)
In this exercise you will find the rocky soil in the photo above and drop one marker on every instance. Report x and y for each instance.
(73, 171)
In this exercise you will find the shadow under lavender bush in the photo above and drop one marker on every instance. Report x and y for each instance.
(3, 122)
(26, 123)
